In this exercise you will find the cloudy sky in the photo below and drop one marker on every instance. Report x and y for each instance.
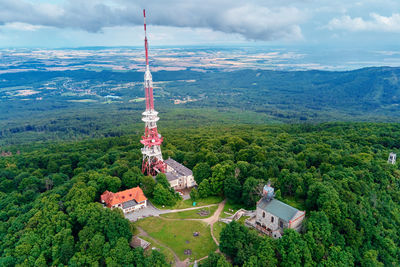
(371, 24)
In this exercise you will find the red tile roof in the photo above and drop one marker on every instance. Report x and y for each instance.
(112, 199)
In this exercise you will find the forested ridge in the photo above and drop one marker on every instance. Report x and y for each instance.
(78, 105)
(337, 172)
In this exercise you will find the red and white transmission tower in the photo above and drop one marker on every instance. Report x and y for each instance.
(152, 157)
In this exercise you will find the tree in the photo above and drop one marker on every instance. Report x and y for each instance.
(40, 262)
(131, 179)
(238, 242)
(201, 171)
(242, 170)
(338, 257)
(110, 183)
(147, 184)
(204, 189)
(156, 259)
(121, 254)
(161, 178)
(194, 194)
(252, 190)
(230, 238)
(266, 253)
(211, 158)
(232, 189)
(370, 259)
(215, 260)
(293, 250)
(219, 173)
(163, 196)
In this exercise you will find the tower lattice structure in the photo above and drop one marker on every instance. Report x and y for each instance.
(152, 140)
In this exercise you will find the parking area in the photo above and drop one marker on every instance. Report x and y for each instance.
(149, 211)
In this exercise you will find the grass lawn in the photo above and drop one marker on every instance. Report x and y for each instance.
(188, 203)
(169, 257)
(176, 233)
(217, 229)
(190, 214)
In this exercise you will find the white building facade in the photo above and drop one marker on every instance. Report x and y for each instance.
(179, 176)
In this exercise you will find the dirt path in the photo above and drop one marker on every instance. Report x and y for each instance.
(213, 219)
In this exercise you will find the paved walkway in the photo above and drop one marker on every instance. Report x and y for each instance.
(151, 210)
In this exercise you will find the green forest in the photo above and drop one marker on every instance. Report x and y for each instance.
(243, 96)
(338, 173)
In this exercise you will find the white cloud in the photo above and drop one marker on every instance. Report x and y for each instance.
(251, 19)
(20, 26)
(375, 23)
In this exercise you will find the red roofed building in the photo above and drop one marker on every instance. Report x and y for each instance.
(128, 200)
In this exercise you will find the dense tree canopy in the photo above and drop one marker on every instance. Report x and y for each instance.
(336, 172)
(52, 215)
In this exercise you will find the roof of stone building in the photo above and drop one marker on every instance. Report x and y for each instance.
(179, 168)
(171, 176)
(278, 208)
(138, 242)
(112, 199)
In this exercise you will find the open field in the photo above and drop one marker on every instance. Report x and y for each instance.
(191, 214)
(178, 235)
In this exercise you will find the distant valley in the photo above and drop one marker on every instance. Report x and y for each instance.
(73, 94)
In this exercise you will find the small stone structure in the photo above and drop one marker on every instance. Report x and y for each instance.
(392, 158)
(238, 214)
(138, 242)
(203, 212)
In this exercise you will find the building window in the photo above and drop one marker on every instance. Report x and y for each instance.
(281, 224)
(263, 214)
(272, 218)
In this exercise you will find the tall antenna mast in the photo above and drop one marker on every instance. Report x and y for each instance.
(146, 46)
(152, 157)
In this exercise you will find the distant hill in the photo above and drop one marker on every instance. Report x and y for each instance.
(78, 102)
(365, 94)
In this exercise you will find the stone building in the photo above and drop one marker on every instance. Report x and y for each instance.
(139, 242)
(273, 216)
(179, 176)
(128, 200)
